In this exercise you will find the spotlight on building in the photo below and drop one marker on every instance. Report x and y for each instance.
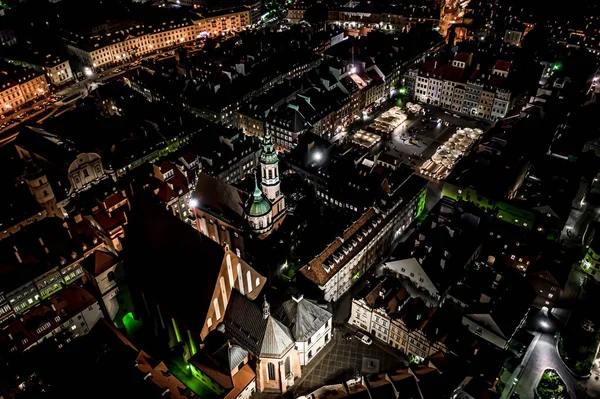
(193, 203)
(88, 71)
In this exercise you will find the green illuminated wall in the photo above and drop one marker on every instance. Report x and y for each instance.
(421, 202)
(176, 329)
(506, 212)
(591, 263)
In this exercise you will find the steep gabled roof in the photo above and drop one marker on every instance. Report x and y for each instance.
(99, 262)
(244, 321)
(303, 317)
(172, 263)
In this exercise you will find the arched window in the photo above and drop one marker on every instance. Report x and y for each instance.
(223, 292)
(288, 366)
(240, 278)
(230, 271)
(217, 310)
(271, 369)
(249, 281)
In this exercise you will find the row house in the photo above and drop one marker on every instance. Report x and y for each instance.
(19, 87)
(73, 311)
(218, 24)
(55, 251)
(389, 313)
(481, 98)
(124, 46)
(345, 259)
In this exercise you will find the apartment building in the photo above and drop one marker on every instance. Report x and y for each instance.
(394, 312)
(459, 87)
(108, 49)
(216, 24)
(345, 259)
(19, 86)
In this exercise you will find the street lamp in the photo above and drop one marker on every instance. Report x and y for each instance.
(317, 155)
(193, 203)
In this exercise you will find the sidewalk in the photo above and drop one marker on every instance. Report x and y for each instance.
(516, 375)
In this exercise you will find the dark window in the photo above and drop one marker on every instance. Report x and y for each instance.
(85, 173)
(271, 369)
(288, 366)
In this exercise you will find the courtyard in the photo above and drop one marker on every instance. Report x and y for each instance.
(344, 359)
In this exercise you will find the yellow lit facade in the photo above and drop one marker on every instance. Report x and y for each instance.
(214, 26)
(121, 47)
(14, 94)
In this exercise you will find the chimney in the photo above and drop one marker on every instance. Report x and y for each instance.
(17, 254)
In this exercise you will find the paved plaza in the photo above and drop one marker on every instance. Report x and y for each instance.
(417, 139)
(344, 359)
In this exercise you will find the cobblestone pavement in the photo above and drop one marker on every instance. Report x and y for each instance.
(344, 359)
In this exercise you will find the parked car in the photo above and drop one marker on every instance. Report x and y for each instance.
(364, 338)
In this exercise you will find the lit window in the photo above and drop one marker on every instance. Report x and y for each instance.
(512, 257)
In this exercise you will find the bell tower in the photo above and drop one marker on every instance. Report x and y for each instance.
(270, 182)
(40, 188)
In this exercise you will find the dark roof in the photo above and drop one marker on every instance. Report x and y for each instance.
(157, 241)
(262, 336)
(99, 262)
(303, 317)
(219, 197)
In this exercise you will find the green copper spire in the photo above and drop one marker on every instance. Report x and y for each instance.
(260, 205)
(257, 191)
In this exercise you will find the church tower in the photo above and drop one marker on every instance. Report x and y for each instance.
(40, 189)
(270, 182)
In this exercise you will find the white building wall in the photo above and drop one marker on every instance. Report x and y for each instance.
(360, 315)
(316, 343)
(111, 303)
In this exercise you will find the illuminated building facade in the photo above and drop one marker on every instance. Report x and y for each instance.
(19, 87)
(346, 258)
(266, 209)
(101, 51)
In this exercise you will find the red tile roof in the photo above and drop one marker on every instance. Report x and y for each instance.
(502, 65)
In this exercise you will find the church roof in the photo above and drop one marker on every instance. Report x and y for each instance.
(219, 197)
(218, 358)
(172, 263)
(99, 262)
(244, 321)
(303, 317)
